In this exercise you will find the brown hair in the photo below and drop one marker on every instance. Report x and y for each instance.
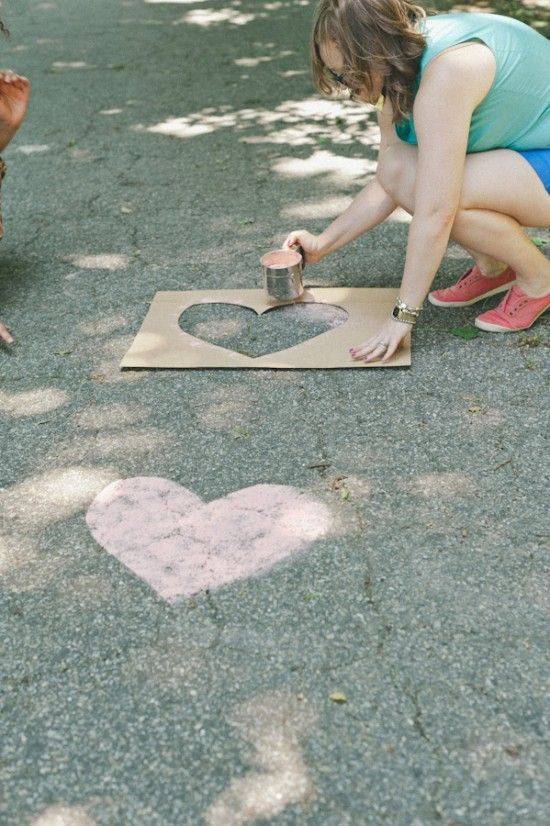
(373, 36)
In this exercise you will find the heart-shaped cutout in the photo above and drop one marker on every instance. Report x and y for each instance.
(242, 330)
(181, 545)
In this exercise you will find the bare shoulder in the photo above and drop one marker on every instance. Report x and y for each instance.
(465, 69)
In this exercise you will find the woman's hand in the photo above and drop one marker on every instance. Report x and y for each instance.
(5, 334)
(383, 345)
(309, 243)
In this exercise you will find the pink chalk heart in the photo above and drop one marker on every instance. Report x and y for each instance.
(180, 545)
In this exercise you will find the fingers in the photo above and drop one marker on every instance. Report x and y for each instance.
(294, 239)
(376, 353)
(366, 348)
(375, 350)
(394, 346)
(19, 81)
(5, 334)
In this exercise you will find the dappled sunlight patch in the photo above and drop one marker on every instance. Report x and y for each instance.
(336, 168)
(225, 415)
(104, 416)
(79, 154)
(252, 62)
(114, 111)
(358, 486)
(292, 73)
(71, 64)
(115, 444)
(103, 326)
(32, 402)
(274, 724)
(8, 554)
(293, 122)
(32, 148)
(218, 327)
(212, 17)
(104, 261)
(226, 408)
(456, 252)
(400, 216)
(324, 208)
(52, 496)
(445, 485)
(108, 369)
(61, 815)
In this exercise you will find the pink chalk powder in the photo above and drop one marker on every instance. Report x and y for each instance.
(281, 259)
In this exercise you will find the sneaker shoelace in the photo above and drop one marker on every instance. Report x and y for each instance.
(462, 279)
(512, 302)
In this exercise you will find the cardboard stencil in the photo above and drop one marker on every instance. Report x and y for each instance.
(161, 343)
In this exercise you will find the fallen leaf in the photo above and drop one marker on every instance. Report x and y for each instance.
(344, 493)
(241, 433)
(97, 376)
(338, 697)
(126, 210)
(466, 333)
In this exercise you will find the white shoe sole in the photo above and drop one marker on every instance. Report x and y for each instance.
(437, 303)
(495, 328)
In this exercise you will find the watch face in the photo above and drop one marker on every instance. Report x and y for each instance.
(395, 312)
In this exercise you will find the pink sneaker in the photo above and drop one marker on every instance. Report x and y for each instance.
(515, 312)
(472, 287)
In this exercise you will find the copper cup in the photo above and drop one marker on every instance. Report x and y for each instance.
(282, 271)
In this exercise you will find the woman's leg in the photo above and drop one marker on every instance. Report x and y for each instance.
(488, 266)
(500, 194)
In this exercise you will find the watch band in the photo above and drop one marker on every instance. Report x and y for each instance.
(403, 312)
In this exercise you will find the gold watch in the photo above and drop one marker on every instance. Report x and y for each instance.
(402, 312)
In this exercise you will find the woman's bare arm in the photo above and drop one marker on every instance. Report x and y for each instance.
(452, 86)
(370, 207)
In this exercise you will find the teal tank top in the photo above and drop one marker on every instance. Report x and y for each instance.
(515, 113)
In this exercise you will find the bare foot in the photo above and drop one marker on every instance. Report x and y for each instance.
(14, 101)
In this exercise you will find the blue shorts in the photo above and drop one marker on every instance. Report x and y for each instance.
(540, 161)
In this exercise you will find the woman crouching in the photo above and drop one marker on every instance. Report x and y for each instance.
(464, 118)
